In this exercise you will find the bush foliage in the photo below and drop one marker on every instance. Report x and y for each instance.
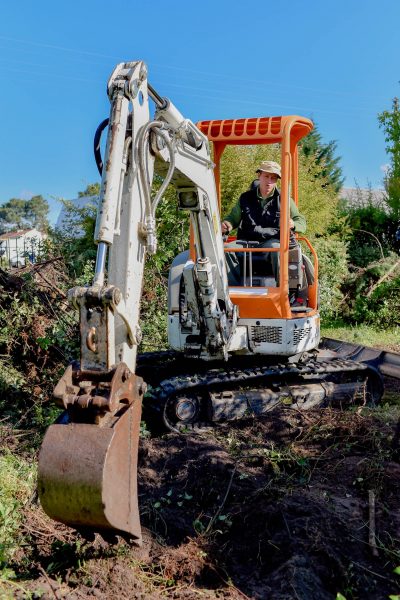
(372, 293)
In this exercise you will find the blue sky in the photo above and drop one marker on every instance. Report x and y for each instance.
(336, 62)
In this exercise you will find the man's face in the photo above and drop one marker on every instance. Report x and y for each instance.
(267, 182)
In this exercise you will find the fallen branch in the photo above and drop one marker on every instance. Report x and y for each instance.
(372, 534)
(52, 589)
(383, 278)
(51, 285)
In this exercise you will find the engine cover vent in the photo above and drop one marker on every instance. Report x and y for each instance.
(261, 334)
(300, 334)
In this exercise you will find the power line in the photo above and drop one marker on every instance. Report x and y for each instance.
(54, 47)
(195, 73)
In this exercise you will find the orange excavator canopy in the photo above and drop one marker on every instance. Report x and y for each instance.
(286, 131)
(259, 130)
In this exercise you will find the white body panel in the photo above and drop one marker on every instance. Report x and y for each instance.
(272, 337)
(285, 337)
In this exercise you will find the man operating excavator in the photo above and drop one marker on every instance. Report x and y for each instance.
(256, 216)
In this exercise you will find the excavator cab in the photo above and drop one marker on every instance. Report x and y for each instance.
(295, 291)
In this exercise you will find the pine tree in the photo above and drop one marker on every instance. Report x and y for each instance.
(324, 156)
(389, 121)
(92, 189)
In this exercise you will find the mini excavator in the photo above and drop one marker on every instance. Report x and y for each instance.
(237, 350)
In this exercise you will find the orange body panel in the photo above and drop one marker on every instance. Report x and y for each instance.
(257, 306)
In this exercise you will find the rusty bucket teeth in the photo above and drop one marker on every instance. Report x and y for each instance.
(88, 474)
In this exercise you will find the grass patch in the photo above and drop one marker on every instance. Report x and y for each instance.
(17, 481)
(387, 339)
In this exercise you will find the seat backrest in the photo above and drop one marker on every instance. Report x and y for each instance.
(295, 267)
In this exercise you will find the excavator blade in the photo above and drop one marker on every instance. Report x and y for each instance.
(88, 474)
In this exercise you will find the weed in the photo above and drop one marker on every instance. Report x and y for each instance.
(154, 576)
(233, 444)
(199, 526)
(144, 432)
(171, 499)
(11, 589)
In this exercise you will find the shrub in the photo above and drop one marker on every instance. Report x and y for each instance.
(382, 307)
(333, 270)
(36, 339)
(372, 293)
(370, 231)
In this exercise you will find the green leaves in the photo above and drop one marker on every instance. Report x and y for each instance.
(92, 189)
(19, 214)
(389, 121)
(171, 498)
(17, 479)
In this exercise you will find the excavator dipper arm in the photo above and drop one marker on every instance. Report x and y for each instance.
(88, 463)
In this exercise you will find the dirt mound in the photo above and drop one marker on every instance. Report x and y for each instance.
(276, 508)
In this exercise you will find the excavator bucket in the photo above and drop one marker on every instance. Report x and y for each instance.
(88, 473)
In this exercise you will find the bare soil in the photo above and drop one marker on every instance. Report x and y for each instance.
(277, 508)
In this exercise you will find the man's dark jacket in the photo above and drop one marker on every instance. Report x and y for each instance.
(253, 214)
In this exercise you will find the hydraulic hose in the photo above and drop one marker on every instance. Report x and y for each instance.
(96, 145)
(151, 205)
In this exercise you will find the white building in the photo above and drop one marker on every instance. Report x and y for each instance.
(68, 218)
(21, 246)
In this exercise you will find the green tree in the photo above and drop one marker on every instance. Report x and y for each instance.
(324, 155)
(12, 214)
(371, 226)
(389, 121)
(92, 189)
(37, 209)
(19, 214)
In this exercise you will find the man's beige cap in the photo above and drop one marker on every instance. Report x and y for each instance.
(270, 166)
